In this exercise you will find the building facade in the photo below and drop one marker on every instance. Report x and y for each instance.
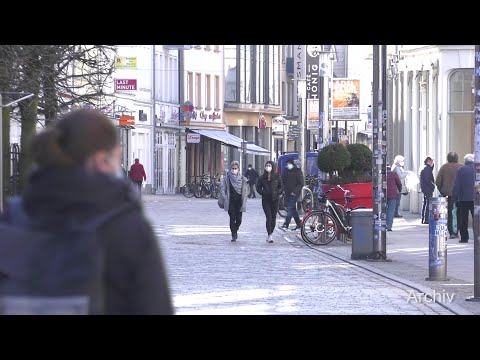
(431, 103)
(203, 89)
(146, 89)
(253, 93)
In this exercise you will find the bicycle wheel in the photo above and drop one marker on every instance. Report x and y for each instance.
(282, 206)
(197, 191)
(319, 228)
(188, 190)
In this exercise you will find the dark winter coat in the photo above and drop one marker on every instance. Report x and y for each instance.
(272, 187)
(445, 177)
(293, 181)
(394, 185)
(464, 183)
(135, 277)
(427, 181)
(252, 176)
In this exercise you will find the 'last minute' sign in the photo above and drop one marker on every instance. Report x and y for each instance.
(125, 84)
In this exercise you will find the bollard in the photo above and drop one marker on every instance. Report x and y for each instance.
(437, 244)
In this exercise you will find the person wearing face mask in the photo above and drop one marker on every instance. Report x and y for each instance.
(269, 186)
(81, 151)
(252, 175)
(427, 185)
(233, 197)
(292, 183)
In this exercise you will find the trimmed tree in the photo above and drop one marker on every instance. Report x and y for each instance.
(334, 158)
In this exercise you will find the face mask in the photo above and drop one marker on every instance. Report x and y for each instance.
(289, 166)
(249, 168)
(235, 172)
(268, 168)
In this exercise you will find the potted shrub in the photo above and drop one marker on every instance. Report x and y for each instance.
(349, 166)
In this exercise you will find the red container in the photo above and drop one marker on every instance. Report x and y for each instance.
(361, 192)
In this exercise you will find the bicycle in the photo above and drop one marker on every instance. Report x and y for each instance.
(320, 226)
(302, 206)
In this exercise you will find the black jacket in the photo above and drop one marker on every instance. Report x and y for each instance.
(293, 181)
(271, 187)
(427, 182)
(252, 176)
(135, 277)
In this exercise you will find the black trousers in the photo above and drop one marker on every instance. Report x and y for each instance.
(235, 214)
(463, 207)
(252, 191)
(426, 208)
(270, 209)
(450, 205)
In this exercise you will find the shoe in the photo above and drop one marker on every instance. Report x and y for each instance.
(296, 228)
(389, 229)
(284, 227)
(463, 241)
(453, 236)
(398, 216)
(234, 236)
(270, 239)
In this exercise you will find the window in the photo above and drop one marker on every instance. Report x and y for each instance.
(230, 56)
(197, 46)
(208, 47)
(216, 48)
(273, 75)
(245, 73)
(159, 93)
(190, 86)
(461, 95)
(461, 123)
(260, 75)
(217, 92)
(198, 83)
(208, 94)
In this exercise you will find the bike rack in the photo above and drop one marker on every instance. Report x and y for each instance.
(306, 188)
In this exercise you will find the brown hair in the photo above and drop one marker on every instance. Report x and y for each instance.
(73, 138)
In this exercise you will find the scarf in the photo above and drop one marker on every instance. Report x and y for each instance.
(236, 181)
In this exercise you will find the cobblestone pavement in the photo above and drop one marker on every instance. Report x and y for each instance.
(209, 274)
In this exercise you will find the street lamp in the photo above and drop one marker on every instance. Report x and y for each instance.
(14, 103)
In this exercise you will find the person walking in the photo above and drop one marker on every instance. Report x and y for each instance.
(444, 181)
(464, 193)
(269, 186)
(398, 167)
(427, 185)
(137, 174)
(233, 197)
(292, 183)
(252, 175)
(394, 187)
(81, 151)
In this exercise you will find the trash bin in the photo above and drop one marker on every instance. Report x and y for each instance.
(362, 233)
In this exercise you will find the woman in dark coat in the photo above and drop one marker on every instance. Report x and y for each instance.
(269, 186)
(77, 178)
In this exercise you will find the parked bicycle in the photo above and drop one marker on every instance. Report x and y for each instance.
(320, 226)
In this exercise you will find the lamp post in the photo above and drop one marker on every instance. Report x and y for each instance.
(1, 137)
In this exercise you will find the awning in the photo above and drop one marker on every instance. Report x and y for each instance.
(232, 140)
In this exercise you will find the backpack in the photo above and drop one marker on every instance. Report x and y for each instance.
(51, 273)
